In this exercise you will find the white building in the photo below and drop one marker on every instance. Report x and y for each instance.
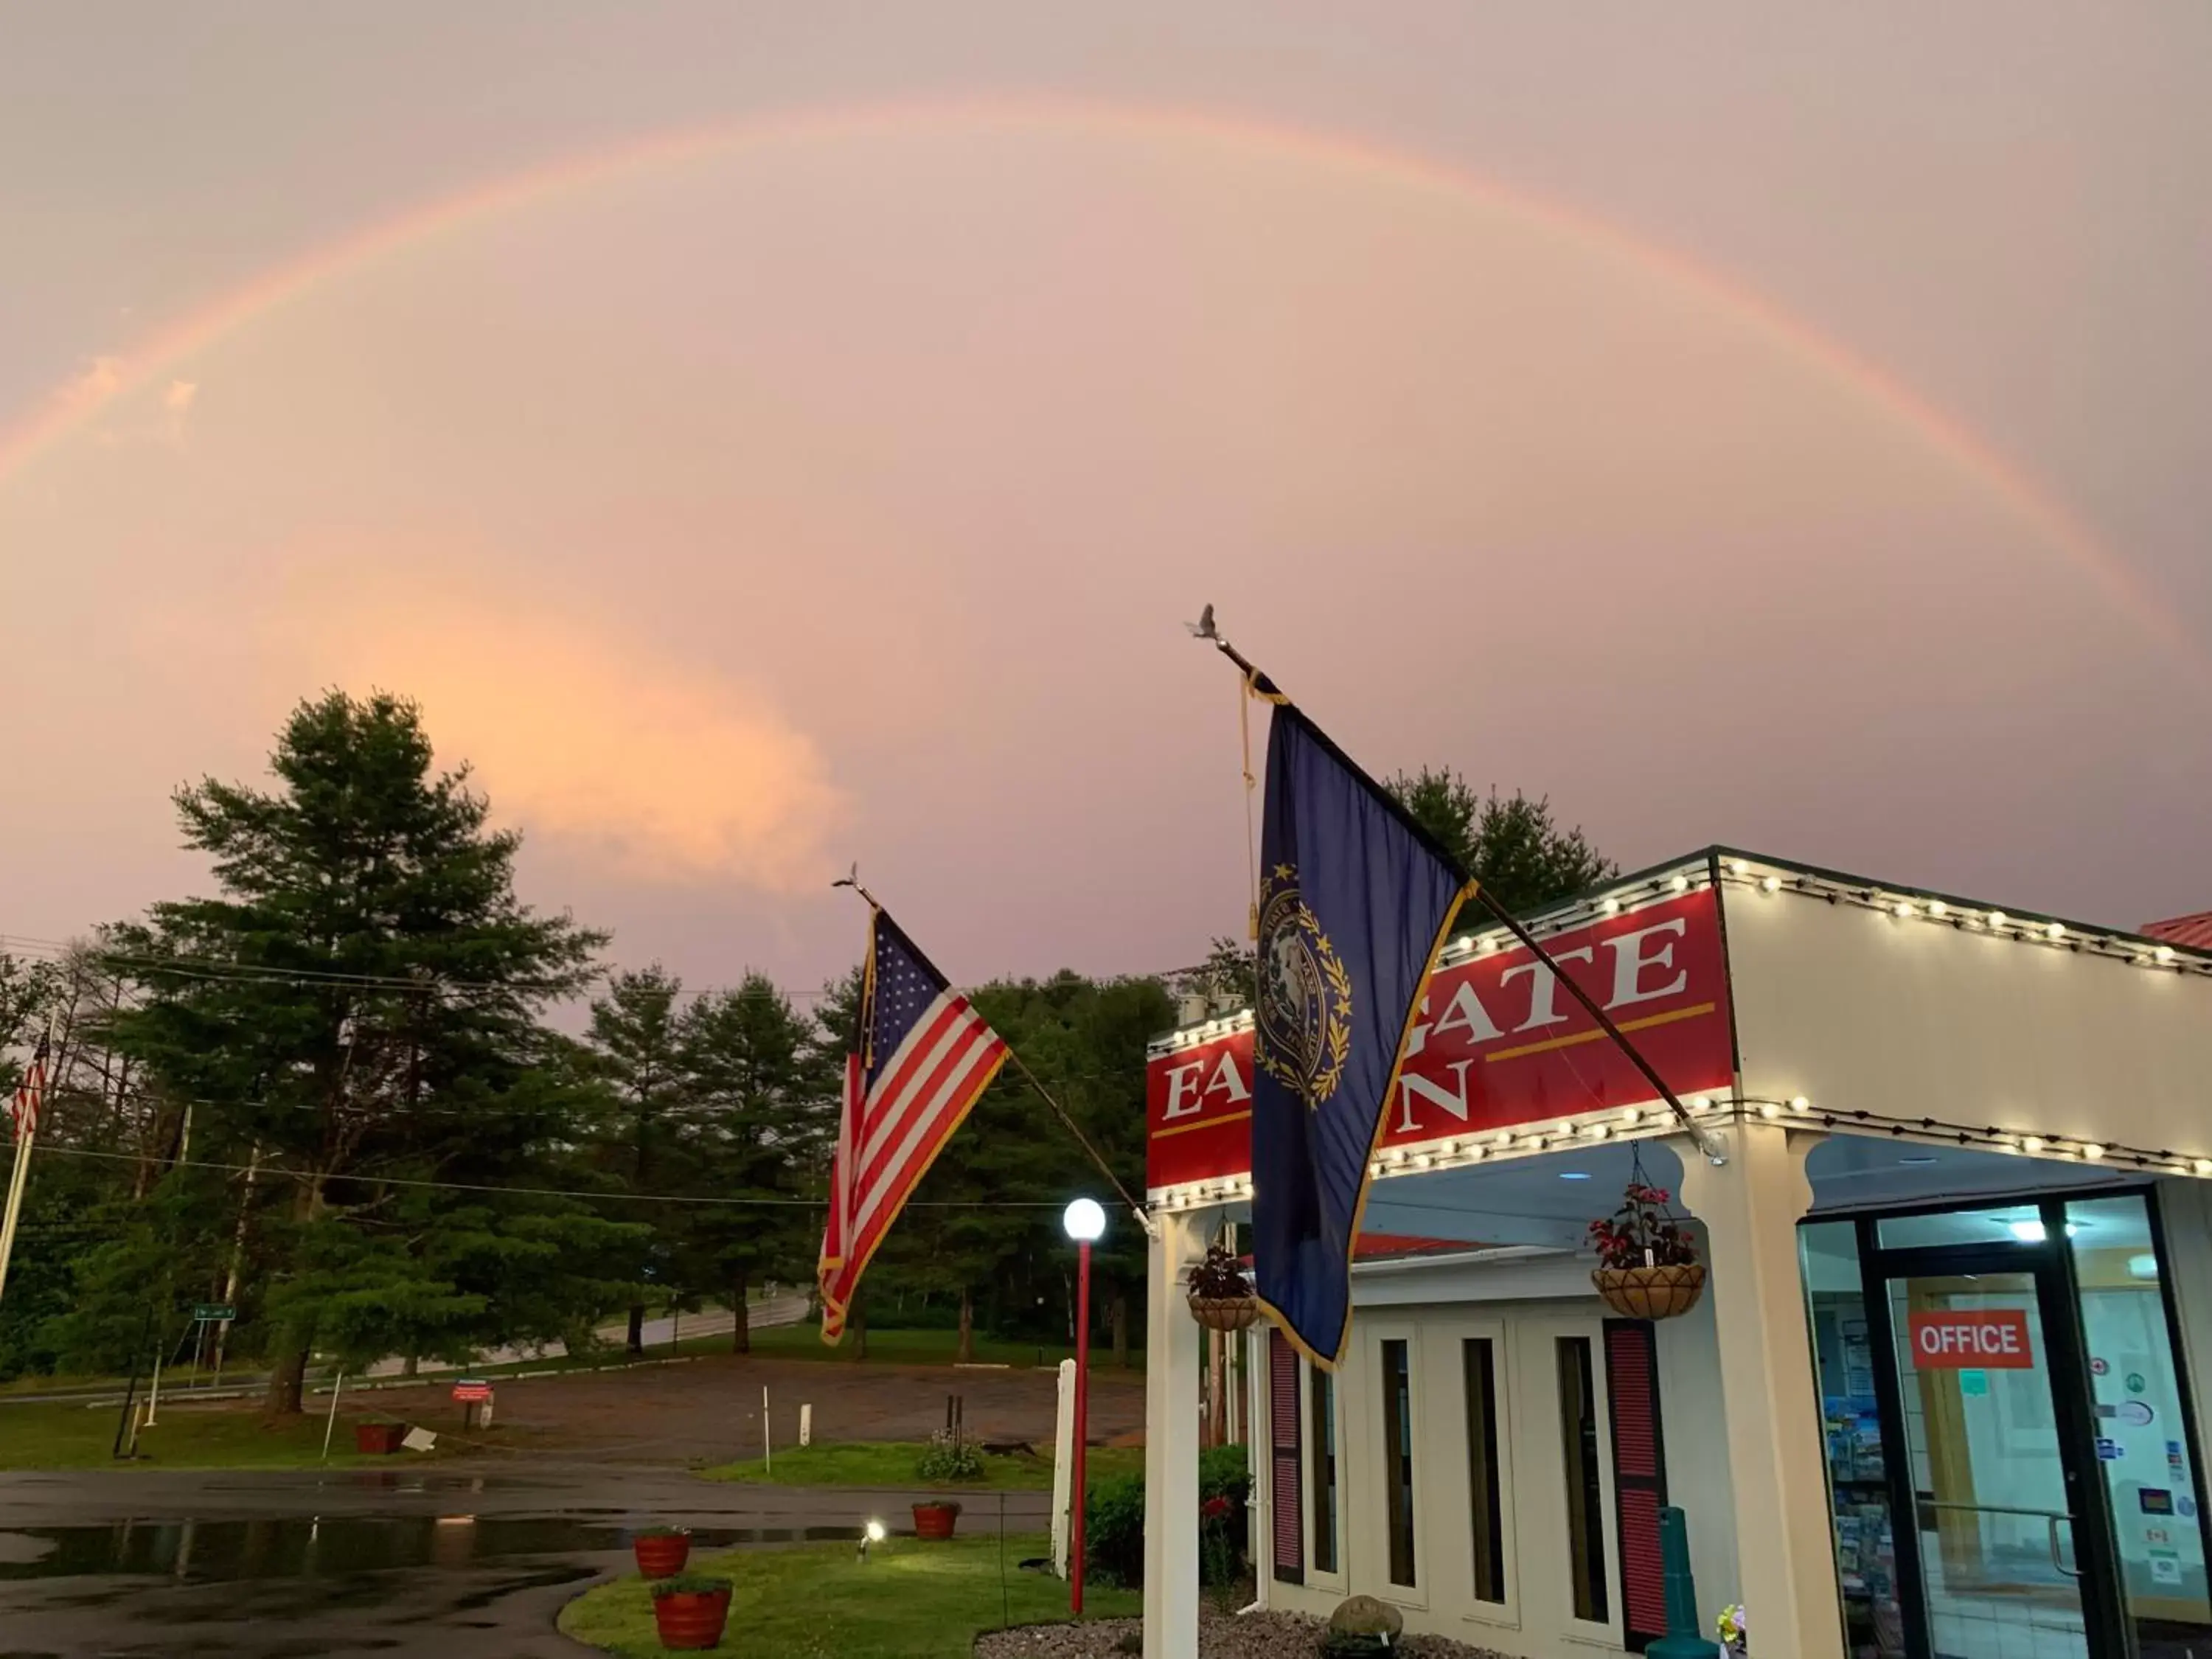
(1940, 1398)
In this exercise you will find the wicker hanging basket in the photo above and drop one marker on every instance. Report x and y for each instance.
(1225, 1312)
(1650, 1292)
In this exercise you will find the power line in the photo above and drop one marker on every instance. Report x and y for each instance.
(275, 1171)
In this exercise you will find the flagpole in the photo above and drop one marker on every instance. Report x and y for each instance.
(17, 1178)
(1262, 686)
(1144, 1220)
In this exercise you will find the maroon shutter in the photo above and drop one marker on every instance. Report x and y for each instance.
(1286, 1507)
(1639, 1476)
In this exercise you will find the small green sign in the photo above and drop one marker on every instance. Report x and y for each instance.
(2136, 1384)
(217, 1312)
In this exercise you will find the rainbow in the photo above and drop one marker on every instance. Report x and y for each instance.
(68, 408)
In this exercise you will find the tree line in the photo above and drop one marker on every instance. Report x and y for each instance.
(337, 1095)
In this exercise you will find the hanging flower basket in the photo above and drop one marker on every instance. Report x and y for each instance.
(1221, 1297)
(1647, 1268)
(1650, 1292)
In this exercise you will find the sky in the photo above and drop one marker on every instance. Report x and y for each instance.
(767, 438)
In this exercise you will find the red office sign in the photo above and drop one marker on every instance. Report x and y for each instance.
(1973, 1339)
(1495, 1043)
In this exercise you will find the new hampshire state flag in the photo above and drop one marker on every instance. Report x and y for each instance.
(1355, 903)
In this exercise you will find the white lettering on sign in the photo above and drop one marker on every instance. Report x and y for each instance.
(1543, 988)
(1453, 1100)
(1994, 1339)
(1187, 1097)
(1630, 960)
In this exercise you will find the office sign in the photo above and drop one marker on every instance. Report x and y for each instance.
(1973, 1339)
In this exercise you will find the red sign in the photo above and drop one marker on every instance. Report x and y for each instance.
(1973, 1339)
(1499, 1043)
(469, 1393)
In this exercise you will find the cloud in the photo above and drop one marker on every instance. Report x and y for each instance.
(670, 772)
(177, 399)
(99, 380)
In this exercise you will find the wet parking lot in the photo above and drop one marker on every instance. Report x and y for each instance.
(270, 1566)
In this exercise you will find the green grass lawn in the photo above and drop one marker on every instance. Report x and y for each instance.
(890, 1463)
(909, 1601)
(67, 1436)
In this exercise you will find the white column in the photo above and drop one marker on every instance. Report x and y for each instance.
(1259, 1447)
(1172, 1360)
(1770, 1399)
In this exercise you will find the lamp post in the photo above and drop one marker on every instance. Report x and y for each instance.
(1086, 1224)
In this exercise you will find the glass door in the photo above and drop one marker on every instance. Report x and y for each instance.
(2000, 1465)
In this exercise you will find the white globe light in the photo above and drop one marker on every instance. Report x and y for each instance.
(875, 1532)
(1085, 1221)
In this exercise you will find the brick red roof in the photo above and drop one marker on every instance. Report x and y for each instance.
(2193, 932)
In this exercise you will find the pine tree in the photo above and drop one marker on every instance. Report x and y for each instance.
(359, 1003)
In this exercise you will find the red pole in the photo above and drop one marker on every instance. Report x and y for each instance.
(1081, 1423)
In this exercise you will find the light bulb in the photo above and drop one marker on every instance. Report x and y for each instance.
(1998, 918)
(2054, 930)
(1739, 868)
(2031, 1143)
(1770, 884)
(1631, 1114)
(1799, 1103)
(1610, 906)
(1770, 1108)
(1938, 909)
(1681, 884)
(2162, 953)
(1599, 1132)
(1904, 910)
(2203, 1166)
(2092, 1150)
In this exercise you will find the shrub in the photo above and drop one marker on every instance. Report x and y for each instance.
(689, 1584)
(949, 1458)
(663, 1532)
(1114, 1522)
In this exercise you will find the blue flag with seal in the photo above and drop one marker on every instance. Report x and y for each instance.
(1355, 903)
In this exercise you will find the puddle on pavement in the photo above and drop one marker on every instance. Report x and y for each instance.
(215, 1551)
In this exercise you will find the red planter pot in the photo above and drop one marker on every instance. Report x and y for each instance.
(378, 1439)
(691, 1619)
(662, 1557)
(934, 1520)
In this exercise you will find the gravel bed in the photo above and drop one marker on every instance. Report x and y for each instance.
(1220, 1636)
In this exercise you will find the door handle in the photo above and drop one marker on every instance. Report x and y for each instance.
(2059, 1564)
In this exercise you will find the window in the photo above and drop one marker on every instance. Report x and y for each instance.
(1485, 1517)
(1585, 1497)
(1398, 1459)
(1285, 1460)
(1323, 1437)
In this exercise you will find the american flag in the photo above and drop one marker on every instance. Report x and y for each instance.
(29, 1093)
(924, 1057)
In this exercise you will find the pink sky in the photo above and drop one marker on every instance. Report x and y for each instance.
(836, 490)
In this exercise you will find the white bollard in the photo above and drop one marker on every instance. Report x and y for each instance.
(1063, 1467)
(805, 1425)
(767, 1449)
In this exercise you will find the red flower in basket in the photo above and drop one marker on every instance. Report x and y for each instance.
(1213, 1509)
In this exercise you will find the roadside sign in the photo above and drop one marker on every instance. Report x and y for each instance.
(215, 1312)
(470, 1389)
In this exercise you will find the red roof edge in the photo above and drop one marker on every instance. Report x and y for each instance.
(2195, 932)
